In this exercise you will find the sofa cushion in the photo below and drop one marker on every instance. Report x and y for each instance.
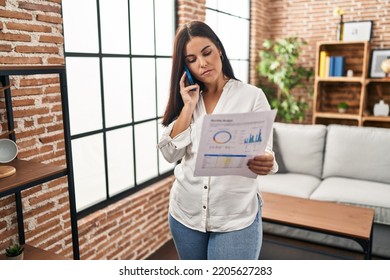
(358, 152)
(293, 184)
(357, 192)
(299, 148)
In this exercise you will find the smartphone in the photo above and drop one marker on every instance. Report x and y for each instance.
(189, 76)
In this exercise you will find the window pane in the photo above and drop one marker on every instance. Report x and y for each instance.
(165, 26)
(234, 7)
(142, 30)
(114, 29)
(241, 69)
(144, 90)
(80, 37)
(130, 72)
(85, 107)
(117, 91)
(212, 21)
(120, 160)
(146, 151)
(212, 4)
(163, 82)
(234, 34)
(89, 174)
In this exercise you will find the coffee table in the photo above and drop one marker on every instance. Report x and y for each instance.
(346, 221)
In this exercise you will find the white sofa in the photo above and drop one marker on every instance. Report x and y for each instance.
(343, 164)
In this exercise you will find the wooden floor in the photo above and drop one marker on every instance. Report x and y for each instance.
(277, 248)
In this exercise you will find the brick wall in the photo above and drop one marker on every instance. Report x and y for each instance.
(31, 34)
(133, 228)
(190, 10)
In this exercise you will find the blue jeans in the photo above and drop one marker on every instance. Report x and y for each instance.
(243, 244)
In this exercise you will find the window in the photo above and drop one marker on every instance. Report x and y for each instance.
(230, 20)
(118, 59)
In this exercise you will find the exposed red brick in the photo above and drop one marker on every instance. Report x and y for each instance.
(15, 15)
(39, 7)
(50, 19)
(15, 37)
(20, 60)
(56, 60)
(39, 82)
(28, 27)
(5, 48)
(51, 39)
(36, 49)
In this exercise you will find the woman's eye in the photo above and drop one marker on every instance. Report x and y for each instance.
(207, 53)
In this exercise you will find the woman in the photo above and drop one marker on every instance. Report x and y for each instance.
(210, 217)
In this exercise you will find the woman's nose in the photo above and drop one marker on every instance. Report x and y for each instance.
(203, 62)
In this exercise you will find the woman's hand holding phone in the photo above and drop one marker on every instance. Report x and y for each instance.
(190, 97)
(189, 93)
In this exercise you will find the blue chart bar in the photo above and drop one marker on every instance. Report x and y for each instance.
(253, 138)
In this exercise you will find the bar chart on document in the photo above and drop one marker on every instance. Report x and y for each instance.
(228, 141)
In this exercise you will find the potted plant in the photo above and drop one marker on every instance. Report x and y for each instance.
(342, 107)
(279, 63)
(14, 251)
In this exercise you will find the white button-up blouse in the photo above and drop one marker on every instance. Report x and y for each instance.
(220, 203)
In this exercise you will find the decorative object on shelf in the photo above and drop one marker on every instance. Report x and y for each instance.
(14, 251)
(385, 66)
(357, 31)
(381, 109)
(279, 63)
(377, 57)
(6, 171)
(342, 107)
(8, 150)
(349, 73)
(340, 29)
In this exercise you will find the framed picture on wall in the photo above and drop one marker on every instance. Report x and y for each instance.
(357, 30)
(377, 56)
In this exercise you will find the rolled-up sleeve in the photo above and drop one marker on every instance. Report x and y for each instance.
(173, 149)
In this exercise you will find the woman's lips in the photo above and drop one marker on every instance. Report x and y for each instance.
(205, 73)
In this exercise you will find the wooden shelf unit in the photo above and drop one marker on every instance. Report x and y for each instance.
(360, 92)
(28, 173)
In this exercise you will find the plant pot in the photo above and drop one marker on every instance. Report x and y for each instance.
(342, 110)
(18, 257)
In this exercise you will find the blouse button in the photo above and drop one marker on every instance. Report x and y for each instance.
(205, 187)
(204, 207)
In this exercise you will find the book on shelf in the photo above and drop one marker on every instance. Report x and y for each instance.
(331, 66)
(327, 66)
(322, 64)
(338, 70)
(336, 66)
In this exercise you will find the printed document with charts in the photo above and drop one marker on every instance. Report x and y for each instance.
(228, 141)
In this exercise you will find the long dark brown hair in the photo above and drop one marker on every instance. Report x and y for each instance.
(183, 36)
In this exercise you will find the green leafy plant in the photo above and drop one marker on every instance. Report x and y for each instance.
(279, 63)
(14, 250)
(342, 107)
